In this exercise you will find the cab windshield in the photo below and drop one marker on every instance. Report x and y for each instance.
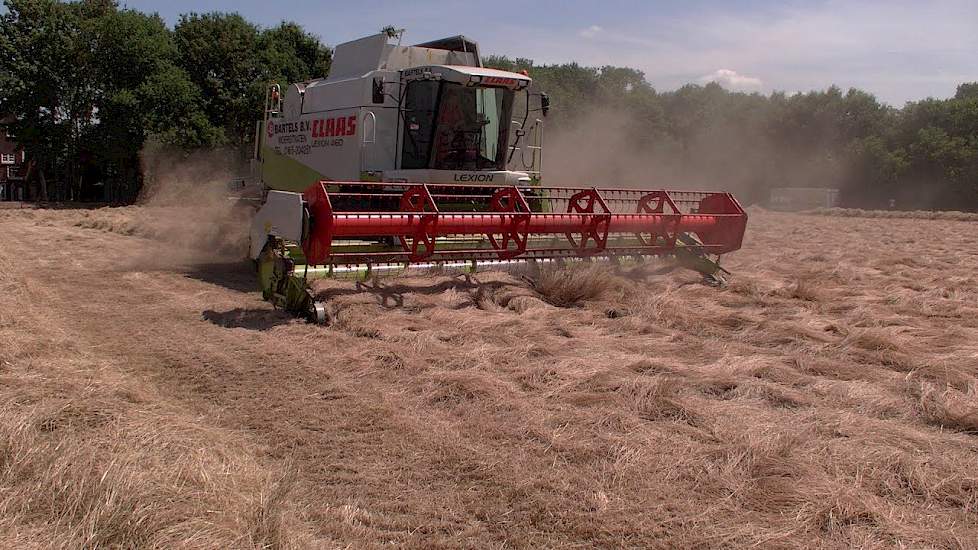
(448, 126)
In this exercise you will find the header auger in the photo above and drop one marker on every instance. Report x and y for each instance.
(336, 159)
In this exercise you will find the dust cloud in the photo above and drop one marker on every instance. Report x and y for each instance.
(178, 178)
(187, 201)
(596, 151)
(185, 210)
(604, 147)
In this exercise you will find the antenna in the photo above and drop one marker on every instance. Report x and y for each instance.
(393, 32)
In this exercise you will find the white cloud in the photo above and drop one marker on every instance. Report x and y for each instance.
(732, 80)
(590, 32)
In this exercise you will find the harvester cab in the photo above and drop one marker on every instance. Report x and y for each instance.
(425, 113)
(420, 156)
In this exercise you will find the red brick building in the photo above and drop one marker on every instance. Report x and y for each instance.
(13, 170)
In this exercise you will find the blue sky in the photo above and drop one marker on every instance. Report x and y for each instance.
(900, 50)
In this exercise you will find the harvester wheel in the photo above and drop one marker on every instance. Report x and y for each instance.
(281, 285)
(317, 313)
(715, 280)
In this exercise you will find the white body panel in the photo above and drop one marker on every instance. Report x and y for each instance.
(280, 215)
(348, 127)
(499, 177)
(358, 57)
(327, 141)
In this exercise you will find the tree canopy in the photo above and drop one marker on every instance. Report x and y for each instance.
(923, 155)
(85, 85)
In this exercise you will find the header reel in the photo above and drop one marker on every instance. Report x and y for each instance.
(355, 228)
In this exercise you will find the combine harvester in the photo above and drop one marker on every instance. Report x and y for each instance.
(401, 157)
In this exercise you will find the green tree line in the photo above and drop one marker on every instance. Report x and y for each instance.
(923, 155)
(86, 86)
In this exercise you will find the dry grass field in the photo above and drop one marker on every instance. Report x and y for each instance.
(825, 398)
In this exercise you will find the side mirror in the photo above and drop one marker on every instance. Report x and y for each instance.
(544, 103)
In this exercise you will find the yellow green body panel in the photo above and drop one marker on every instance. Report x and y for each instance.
(282, 173)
